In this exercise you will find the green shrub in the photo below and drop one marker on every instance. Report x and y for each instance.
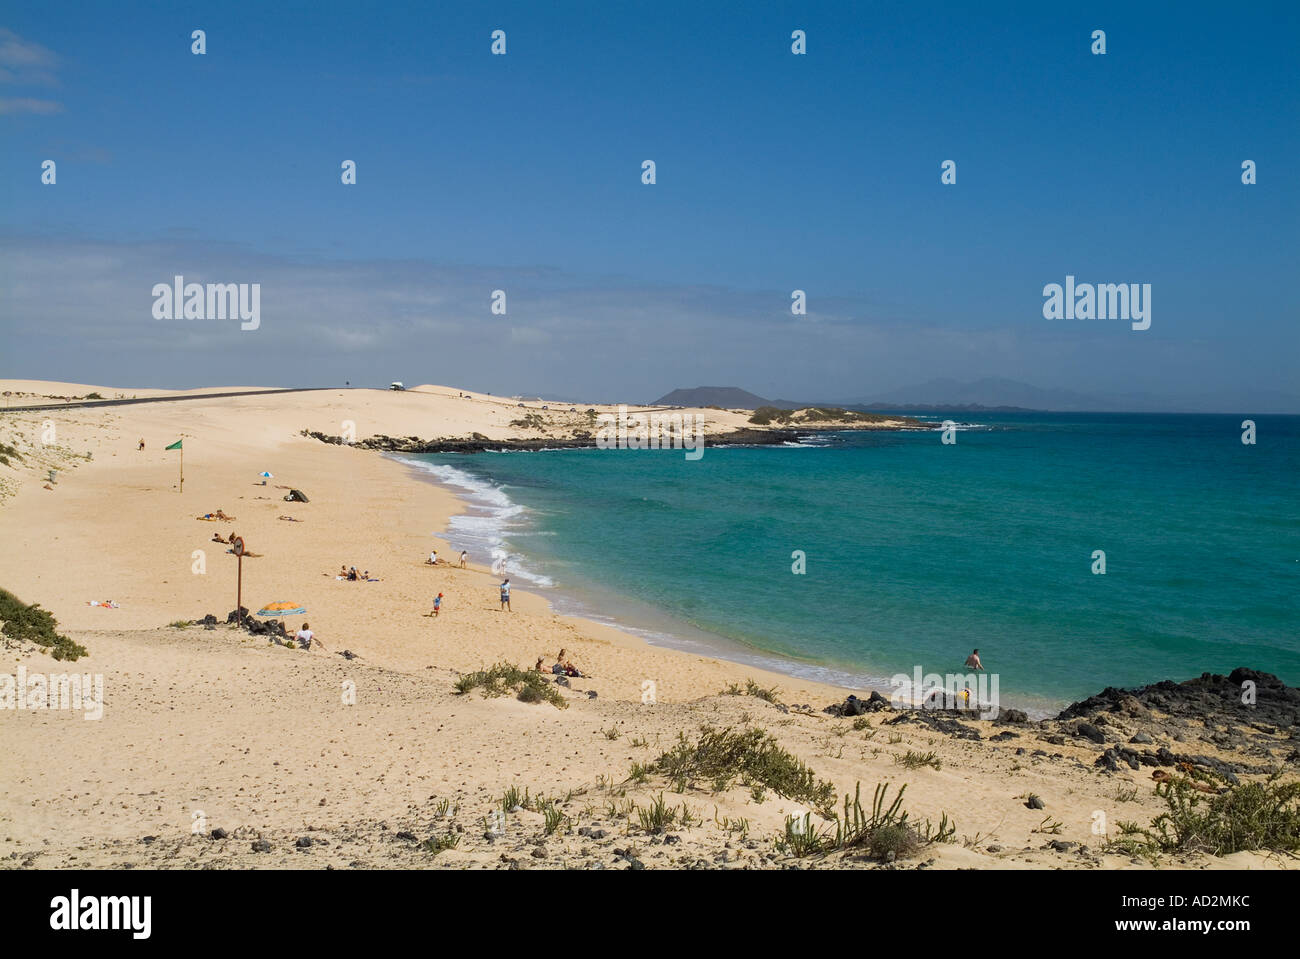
(914, 760)
(752, 688)
(749, 754)
(765, 415)
(658, 817)
(24, 623)
(530, 685)
(891, 842)
(1256, 815)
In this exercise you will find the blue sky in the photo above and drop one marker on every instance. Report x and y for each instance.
(775, 172)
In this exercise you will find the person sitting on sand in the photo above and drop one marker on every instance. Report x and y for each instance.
(973, 661)
(505, 596)
(305, 637)
(433, 558)
(569, 669)
(538, 668)
(141, 446)
(352, 574)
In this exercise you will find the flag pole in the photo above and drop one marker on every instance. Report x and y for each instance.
(182, 489)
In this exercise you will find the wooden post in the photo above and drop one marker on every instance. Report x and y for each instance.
(237, 545)
(182, 489)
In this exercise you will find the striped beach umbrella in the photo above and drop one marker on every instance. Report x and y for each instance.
(281, 609)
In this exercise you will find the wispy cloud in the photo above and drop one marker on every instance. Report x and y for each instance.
(10, 106)
(80, 309)
(27, 64)
(22, 61)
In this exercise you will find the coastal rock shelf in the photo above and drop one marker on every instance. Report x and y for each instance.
(477, 443)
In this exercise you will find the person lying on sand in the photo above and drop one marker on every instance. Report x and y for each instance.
(289, 519)
(218, 538)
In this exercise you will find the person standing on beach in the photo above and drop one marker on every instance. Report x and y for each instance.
(973, 661)
(463, 557)
(437, 605)
(505, 596)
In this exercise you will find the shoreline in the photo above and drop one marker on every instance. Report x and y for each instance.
(373, 754)
(672, 633)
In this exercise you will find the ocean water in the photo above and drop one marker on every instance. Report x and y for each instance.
(917, 552)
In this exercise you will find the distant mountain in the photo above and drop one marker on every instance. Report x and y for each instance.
(728, 397)
(987, 393)
(933, 407)
(994, 394)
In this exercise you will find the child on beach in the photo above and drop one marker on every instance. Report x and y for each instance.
(463, 557)
(505, 596)
(437, 605)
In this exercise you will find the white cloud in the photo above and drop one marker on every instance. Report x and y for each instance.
(26, 63)
(80, 310)
(11, 106)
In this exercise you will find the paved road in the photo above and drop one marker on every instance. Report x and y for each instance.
(164, 399)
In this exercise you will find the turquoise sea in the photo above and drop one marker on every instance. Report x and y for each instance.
(917, 551)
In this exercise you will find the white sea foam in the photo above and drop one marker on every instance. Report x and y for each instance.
(492, 519)
(488, 522)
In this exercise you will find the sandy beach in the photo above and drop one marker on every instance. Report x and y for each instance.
(367, 756)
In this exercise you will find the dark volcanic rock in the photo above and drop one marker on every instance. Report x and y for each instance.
(1211, 698)
(1089, 731)
(857, 707)
(479, 444)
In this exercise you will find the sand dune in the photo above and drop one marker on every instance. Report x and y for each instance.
(257, 739)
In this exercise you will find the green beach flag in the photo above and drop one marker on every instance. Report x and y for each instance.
(177, 446)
